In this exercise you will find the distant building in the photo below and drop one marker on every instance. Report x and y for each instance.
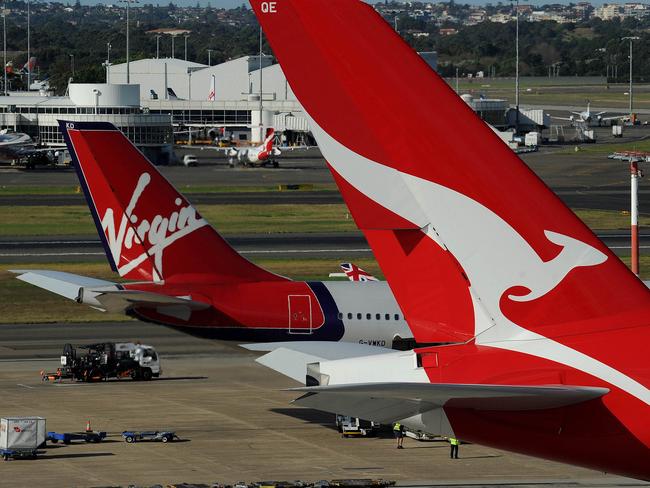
(38, 116)
(609, 12)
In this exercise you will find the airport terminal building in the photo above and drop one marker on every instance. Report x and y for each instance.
(38, 114)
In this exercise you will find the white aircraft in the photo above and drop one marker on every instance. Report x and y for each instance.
(262, 155)
(587, 118)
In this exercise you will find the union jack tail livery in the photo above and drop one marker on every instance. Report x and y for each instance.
(355, 273)
(479, 253)
(149, 230)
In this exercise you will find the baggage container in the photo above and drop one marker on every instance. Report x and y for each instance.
(21, 436)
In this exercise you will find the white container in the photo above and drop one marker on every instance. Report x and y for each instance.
(590, 135)
(532, 139)
(22, 432)
(617, 130)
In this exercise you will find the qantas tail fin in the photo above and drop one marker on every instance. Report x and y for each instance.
(149, 230)
(471, 241)
(268, 142)
(212, 93)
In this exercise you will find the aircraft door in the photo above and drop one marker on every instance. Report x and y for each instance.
(300, 316)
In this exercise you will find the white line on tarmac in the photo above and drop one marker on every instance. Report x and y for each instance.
(22, 243)
(30, 254)
(25, 386)
(628, 247)
(268, 251)
(285, 251)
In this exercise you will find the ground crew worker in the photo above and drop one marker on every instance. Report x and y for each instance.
(454, 443)
(398, 430)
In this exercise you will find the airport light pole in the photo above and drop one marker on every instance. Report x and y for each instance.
(72, 64)
(108, 62)
(261, 92)
(210, 57)
(29, 66)
(635, 174)
(4, 35)
(631, 39)
(186, 36)
(157, 46)
(128, 5)
(517, 66)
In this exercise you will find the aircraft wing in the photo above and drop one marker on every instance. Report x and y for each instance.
(105, 295)
(562, 118)
(389, 402)
(615, 117)
(65, 284)
(121, 300)
(291, 358)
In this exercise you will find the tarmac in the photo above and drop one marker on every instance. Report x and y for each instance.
(234, 420)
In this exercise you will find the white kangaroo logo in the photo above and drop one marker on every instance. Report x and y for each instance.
(154, 236)
(495, 257)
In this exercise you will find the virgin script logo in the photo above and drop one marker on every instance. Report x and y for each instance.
(153, 236)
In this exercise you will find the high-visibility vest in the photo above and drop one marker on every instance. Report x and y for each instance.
(397, 426)
(453, 441)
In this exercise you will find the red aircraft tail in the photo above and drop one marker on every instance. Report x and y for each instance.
(268, 142)
(470, 240)
(149, 230)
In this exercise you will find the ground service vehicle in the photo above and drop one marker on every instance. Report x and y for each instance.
(355, 427)
(154, 435)
(190, 160)
(68, 437)
(96, 362)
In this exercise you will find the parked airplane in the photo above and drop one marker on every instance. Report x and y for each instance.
(547, 329)
(586, 117)
(187, 276)
(17, 146)
(260, 155)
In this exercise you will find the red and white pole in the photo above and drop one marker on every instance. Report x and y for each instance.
(634, 212)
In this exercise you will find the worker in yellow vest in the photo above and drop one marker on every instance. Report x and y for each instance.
(398, 431)
(454, 443)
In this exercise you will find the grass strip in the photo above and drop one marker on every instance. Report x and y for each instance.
(227, 219)
(25, 221)
(606, 149)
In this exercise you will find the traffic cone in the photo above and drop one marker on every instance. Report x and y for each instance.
(88, 427)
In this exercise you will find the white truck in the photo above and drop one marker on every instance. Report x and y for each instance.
(96, 362)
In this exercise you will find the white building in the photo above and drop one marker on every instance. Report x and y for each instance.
(38, 115)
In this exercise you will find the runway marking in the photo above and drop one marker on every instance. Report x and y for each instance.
(25, 386)
(261, 251)
(285, 251)
(628, 247)
(22, 243)
(32, 254)
(268, 251)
